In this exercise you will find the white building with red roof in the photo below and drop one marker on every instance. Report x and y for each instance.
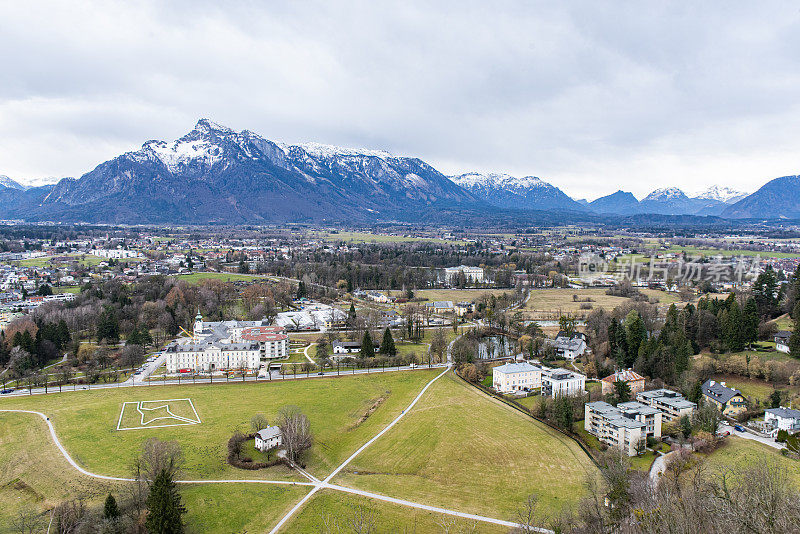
(227, 345)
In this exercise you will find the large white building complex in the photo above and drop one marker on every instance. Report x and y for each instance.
(627, 425)
(525, 377)
(227, 345)
(473, 275)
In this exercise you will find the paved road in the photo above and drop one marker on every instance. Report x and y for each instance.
(659, 466)
(148, 369)
(187, 381)
(747, 435)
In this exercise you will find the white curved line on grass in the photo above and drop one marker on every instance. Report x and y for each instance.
(411, 504)
(324, 483)
(122, 479)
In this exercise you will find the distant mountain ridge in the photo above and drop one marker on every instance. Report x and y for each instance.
(215, 174)
(510, 192)
(218, 175)
(778, 198)
(5, 181)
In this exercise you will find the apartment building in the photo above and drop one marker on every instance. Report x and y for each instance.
(562, 383)
(671, 404)
(626, 426)
(514, 377)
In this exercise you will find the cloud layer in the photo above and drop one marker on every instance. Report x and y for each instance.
(592, 96)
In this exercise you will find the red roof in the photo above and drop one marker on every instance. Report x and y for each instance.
(264, 333)
(627, 375)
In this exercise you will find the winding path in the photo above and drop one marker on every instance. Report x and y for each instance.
(314, 483)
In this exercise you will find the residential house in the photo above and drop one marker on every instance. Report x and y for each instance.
(729, 401)
(782, 419)
(634, 380)
(346, 347)
(513, 377)
(561, 382)
(782, 341)
(268, 438)
(377, 296)
(569, 347)
(440, 306)
(463, 308)
(671, 404)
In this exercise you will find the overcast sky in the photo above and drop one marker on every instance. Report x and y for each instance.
(593, 98)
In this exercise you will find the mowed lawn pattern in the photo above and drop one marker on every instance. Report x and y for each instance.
(460, 449)
(86, 421)
(141, 415)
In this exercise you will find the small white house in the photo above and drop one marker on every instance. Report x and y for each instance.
(782, 341)
(569, 347)
(783, 419)
(346, 347)
(268, 438)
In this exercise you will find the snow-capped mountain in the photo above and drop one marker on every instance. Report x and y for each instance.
(216, 174)
(5, 181)
(510, 192)
(726, 195)
(672, 201)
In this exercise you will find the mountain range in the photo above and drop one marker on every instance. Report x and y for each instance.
(214, 174)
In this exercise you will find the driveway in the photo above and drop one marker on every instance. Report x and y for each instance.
(747, 435)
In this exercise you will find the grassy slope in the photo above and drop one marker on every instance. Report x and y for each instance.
(33, 474)
(86, 421)
(328, 507)
(226, 508)
(738, 452)
(462, 450)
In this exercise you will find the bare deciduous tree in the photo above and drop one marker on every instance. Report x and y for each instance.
(296, 431)
(157, 456)
(258, 422)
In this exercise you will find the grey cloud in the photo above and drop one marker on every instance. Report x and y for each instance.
(593, 96)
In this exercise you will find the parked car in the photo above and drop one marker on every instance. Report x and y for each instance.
(739, 428)
(7, 391)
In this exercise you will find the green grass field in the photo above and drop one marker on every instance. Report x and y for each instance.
(66, 259)
(460, 449)
(696, 251)
(552, 300)
(33, 473)
(341, 511)
(737, 452)
(784, 322)
(194, 278)
(86, 421)
(35, 476)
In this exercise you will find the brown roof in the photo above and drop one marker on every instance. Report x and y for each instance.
(627, 375)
